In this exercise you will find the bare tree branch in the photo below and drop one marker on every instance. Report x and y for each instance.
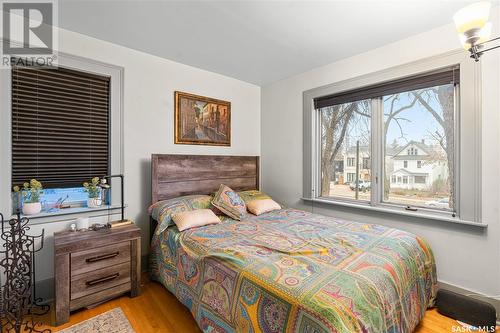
(430, 109)
(397, 121)
(392, 114)
(440, 138)
(362, 113)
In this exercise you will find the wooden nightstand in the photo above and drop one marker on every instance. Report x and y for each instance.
(94, 266)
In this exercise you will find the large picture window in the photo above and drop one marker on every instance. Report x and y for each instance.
(408, 127)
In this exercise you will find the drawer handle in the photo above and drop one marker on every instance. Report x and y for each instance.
(102, 257)
(102, 280)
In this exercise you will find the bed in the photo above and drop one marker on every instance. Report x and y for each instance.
(286, 270)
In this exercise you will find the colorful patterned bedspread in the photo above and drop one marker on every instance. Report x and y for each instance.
(293, 271)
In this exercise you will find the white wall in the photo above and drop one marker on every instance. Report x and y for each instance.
(467, 257)
(149, 85)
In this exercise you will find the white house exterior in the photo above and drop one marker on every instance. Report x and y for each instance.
(350, 164)
(417, 166)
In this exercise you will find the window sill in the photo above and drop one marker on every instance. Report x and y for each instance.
(426, 216)
(72, 213)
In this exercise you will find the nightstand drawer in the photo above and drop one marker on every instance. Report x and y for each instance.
(101, 257)
(93, 282)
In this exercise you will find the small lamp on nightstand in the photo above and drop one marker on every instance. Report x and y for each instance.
(104, 184)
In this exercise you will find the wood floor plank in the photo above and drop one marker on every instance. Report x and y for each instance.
(156, 310)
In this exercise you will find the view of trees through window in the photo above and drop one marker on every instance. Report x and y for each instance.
(419, 135)
(418, 144)
(345, 148)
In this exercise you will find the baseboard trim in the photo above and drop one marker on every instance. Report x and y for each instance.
(44, 290)
(145, 262)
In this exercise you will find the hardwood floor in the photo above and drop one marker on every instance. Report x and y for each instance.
(158, 311)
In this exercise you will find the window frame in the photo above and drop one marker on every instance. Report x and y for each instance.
(366, 165)
(467, 137)
(116, 161)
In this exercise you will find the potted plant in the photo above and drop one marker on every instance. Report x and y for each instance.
(94, 190)
(30, 194)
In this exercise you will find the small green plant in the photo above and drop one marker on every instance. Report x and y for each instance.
(31, 191)
(92, 188)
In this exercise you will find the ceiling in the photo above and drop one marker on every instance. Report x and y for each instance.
(254, 41)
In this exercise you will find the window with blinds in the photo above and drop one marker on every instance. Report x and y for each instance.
(408, 127)
(60, 126)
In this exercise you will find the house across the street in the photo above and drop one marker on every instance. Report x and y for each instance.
(417, 166)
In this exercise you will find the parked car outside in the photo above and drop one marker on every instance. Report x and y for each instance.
(363, 185)
(439, 203)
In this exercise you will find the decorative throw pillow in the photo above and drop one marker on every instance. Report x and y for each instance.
(229, 202)
(258, 207)
(251, 195)
(162, 211)
(195, 218)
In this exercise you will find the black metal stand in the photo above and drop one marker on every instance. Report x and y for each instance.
(122, 193)
(19, 304)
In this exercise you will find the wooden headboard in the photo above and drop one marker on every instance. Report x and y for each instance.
(177, 175)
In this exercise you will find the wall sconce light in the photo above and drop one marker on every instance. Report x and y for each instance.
(474, 29)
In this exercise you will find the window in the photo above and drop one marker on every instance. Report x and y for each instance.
(461, 171)
(412, 151)
(420, 179)
(417, 122)
(421, 122)
(60, 129)
(72, 196)
(339, 166)
(346, 133)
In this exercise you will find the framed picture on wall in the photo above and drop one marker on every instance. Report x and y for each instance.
(202, 120)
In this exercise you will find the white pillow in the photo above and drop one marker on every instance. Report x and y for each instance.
(195, 218)
(262, 206)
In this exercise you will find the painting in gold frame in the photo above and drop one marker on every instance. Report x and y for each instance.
(201, 120)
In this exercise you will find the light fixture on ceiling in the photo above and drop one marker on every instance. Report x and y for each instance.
(474, 29)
